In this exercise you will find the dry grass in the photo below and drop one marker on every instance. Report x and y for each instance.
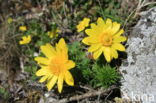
(8, 49)
(142, 4)
(134, 8)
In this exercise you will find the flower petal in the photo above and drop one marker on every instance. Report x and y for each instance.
(86, 40)
(52, 82)
(97, 29)
(69, 78)
(42, 60)
(60, 83)
(94, 47)
(41, 72)
(109, 22)
(118, 46)
(62, 49)
(80, 27)
(107, 54)
(22, 28)
(44, 78)
(114, 53)
(70, 64)
(21, 42)
(90, 32)
(25, 40)
(90, 40)
(97, 53)
(93, 25)
(100, 22)
(119, 33)
(86, 22)
(115, 28)
(29, 37)
(62, 45)
(48, 50)
(119, 39)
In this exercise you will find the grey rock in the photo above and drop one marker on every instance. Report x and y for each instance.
(139, 81)
(49, 98)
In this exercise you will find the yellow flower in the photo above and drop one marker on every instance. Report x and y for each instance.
(25, 40)
(9, 20)
(55, 66)
(82, 24)
(105, 37)
(53, 33)
(23, 28)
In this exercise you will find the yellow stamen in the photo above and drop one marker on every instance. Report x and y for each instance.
(106, 39)
(57, 65)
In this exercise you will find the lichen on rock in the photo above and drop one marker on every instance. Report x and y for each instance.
(139, 80)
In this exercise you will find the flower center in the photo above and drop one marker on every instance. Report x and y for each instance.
(106, 39)
(56, 65)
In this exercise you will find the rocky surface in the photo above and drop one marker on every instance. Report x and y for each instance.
(139, 70)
